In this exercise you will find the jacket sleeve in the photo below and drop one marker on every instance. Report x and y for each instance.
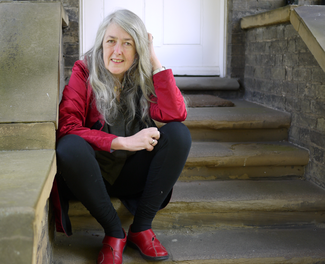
(74, 108)
(169, 104)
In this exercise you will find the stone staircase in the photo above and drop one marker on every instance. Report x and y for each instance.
(30, 77)
(241, 197)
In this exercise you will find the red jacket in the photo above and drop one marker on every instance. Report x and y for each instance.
(78, 114)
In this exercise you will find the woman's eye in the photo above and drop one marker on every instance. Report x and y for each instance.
(110, 41)
(128, 44)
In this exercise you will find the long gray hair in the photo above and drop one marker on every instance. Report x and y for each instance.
(139, 74)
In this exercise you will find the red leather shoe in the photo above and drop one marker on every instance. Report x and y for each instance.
(112, 250)
(148, 245)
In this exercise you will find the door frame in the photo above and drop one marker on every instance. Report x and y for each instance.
(223, 44)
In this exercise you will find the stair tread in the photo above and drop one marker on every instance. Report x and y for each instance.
(226, 154)
(261, 195)
(244, 115)
(241, 245)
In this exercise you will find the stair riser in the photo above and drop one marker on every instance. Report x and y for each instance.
(238, 135)
(213, 215)
(241, 173)
(164, 221)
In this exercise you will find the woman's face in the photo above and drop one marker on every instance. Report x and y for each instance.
(118, 50)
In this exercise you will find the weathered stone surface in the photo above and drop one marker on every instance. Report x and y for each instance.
(229, 154)
(25, 182)
(277, 16)
(206, 83)
(309, 22)
(267, 246)
(244, 115)
(22, 136)
(30, 40)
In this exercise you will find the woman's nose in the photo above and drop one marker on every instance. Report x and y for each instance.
(118, 48)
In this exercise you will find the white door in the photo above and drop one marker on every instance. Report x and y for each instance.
(189, 35)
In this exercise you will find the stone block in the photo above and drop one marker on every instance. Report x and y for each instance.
(292, 45)
(289, 73)
(250, 35)
(317, 138)
(249, 71)
(307, 60)
(321, 124)
(259, 32)
(290, 59)
(302, 74)
(26, 179)
(280, 31)
(318, 154)
(30, 39)
(318, 75)
(22, 136)
(237, 38)
(279, 47)
(301, 46)
(290, 32)
(292, 104)
(268, 73)
(304, 120)
(278, 60)
(316, 172)
(237, 49)
(290, 89)
(278, 73)
(306, 105)
(270, 33)
(318, 107)
(307, 89)
(277, 87)
(320, 91)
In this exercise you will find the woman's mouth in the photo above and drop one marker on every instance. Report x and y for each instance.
(116, 60)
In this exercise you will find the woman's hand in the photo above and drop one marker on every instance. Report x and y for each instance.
(153, 58)
(145, 139)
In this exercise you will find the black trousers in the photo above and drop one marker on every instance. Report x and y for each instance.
(148, 175)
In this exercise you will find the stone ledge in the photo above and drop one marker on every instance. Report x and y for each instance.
(26, 179)
(206, 83)
(308, 21)
(22, 136)
(276, 16)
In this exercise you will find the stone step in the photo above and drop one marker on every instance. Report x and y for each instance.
(198, 83)
(26, 179)
(227, 204)
(244, 122)
(254, 246)
(244, 160)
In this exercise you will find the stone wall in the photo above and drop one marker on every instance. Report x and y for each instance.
(281, 72)
(236, 36)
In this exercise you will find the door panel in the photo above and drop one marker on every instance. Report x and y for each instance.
(188, 34)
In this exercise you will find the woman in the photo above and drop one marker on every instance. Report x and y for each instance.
(108, 144)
